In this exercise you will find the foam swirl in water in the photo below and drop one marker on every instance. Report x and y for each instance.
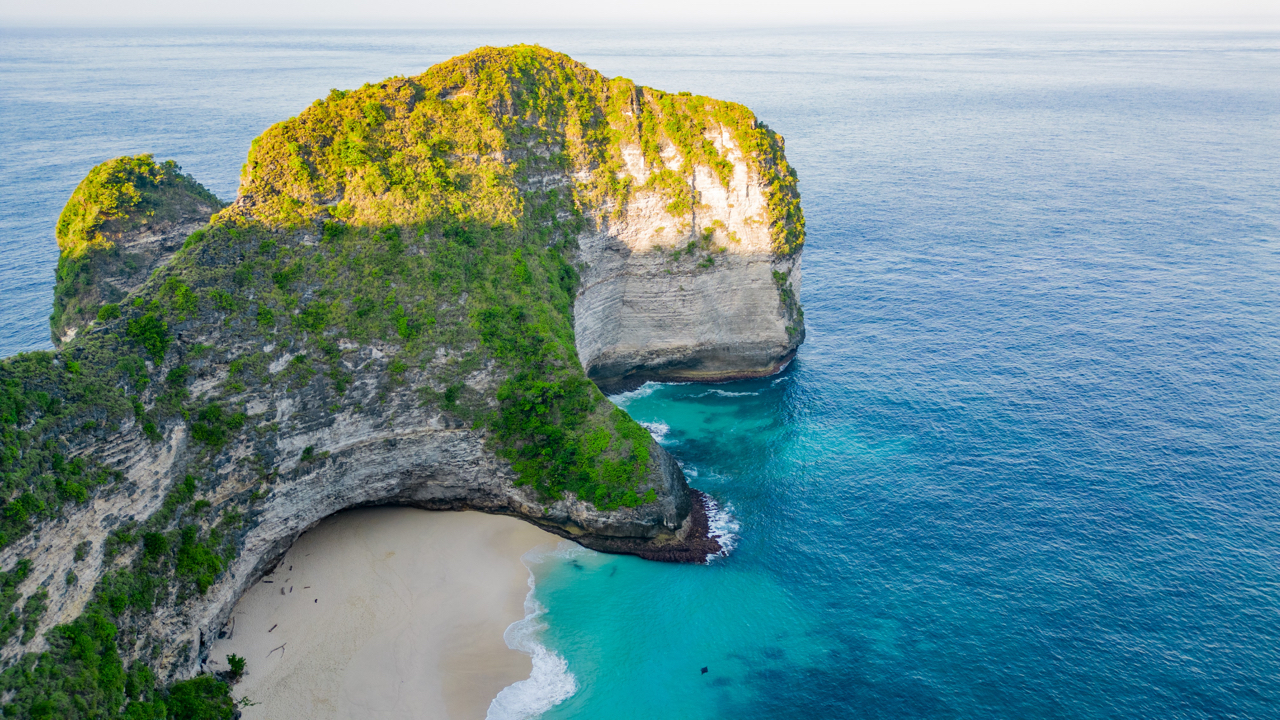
(725, 393)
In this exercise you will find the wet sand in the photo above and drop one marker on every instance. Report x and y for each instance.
(385, 613)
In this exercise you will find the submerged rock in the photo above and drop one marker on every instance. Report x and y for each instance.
(402, 306)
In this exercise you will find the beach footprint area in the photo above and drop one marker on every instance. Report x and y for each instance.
(388, 613)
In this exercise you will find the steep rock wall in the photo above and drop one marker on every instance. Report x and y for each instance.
(696, 297)
(399, 309)
(377, 445)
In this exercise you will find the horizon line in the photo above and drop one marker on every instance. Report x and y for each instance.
(1255, 23)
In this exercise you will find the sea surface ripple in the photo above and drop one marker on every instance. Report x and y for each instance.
(1026, 464)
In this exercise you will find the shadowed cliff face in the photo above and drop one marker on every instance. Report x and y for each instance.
(403, 307)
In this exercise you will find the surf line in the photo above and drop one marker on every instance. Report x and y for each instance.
(722, 526)
(550, 683)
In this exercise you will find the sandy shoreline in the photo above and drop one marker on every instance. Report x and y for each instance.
(386, 613)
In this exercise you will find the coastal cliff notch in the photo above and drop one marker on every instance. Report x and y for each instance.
(403, 305)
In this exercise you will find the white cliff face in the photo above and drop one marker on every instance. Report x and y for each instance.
(52, 550)
(696, 297)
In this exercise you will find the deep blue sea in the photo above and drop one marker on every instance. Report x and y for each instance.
(1027, 464)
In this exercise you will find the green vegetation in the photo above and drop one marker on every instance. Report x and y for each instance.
(409, 214)
(126, 190)
(38, 400)
(213, 425)
(46, 402)
(152, 333)
(175, 558)
(13, 617)
(116, 197)
(789, 300)
(81, 675)
(403, 150)
(200, 698)
(237, 664)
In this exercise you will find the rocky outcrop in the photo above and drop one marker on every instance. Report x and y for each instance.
(127, 218)
(377, 446)
(399, 309)
(702, 297)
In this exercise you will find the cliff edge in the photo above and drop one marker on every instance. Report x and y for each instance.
(404, 305)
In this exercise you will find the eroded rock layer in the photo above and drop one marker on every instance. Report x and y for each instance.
(700, 297)
(403, 306)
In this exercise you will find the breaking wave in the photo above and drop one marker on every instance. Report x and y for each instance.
(621, 399)
(657, 429)
(550, 683)
(722, 526)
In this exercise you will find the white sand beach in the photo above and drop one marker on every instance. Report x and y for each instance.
(386, 613)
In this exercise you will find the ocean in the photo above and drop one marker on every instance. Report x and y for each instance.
(1027, 463)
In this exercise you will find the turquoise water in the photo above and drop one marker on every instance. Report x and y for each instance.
(1026, 464)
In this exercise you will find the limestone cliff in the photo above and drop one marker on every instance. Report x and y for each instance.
(704, 296)
(402, 306)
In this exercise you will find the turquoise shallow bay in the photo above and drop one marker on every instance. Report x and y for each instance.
(1025, 465)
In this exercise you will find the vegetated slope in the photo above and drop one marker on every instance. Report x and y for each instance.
(510, 136)
(384, 315)
(125, 219)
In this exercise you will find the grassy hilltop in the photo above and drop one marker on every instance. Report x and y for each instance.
(434, 217)
(121, 198)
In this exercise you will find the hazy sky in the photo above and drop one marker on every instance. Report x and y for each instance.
(677, 14)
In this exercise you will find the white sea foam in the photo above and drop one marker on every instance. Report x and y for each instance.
(722, 526)
(550, 683)
(726, 393)
(657, 429)
(621, 399)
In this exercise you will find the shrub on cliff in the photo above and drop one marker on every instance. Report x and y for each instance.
(82, 676)
(151, 332)
(200, 698)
